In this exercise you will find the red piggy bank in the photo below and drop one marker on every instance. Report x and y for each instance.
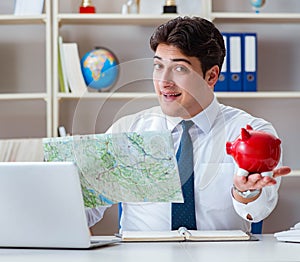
(255, 152)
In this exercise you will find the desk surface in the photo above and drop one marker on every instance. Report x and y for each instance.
(267, 249)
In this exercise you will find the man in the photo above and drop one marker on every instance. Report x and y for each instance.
(189, 53)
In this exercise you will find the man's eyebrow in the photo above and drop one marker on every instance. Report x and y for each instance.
(175, 59)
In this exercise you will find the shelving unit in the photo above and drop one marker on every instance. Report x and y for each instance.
(276, 100)
(113, 19)
(25, 104)
(29, 20)
(68, 102)
(244, 17)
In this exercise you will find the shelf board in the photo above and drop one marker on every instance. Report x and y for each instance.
(23, 96)
(108, 95)
(22, 19)
(269, 94)
(247, 17)
(294, 173)
(133, 95)
(115, 19)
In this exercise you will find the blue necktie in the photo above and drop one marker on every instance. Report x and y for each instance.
(183, 214)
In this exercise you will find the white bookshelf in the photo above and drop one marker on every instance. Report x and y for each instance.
(118, 95)
(70, 20)
(23, 19)
(294, 173)
(244, 17)
(276, 100)
(25, 96)
(278, 95)
(113, 19)
(37, 99)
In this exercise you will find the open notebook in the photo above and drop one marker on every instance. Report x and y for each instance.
(42, 207)
(182, 234)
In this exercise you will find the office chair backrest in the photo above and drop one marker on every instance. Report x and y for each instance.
(256, 228)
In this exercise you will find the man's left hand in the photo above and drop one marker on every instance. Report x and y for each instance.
(256, 181)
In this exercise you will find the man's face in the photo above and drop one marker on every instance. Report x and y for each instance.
(179, 84)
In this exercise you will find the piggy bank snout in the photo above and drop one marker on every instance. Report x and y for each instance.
(229, 148)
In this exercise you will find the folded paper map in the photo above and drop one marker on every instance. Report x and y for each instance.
(121, 167)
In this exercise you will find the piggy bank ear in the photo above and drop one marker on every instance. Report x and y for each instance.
(248, 127)
(245, 135)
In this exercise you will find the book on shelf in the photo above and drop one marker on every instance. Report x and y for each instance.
(183, 234)
(249, 62)
(222, 84)
(62, 71)
(28, 7)
(73, 69)
(239, 70)
(235, 62)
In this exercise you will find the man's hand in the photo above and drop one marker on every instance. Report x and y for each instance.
(256, 181)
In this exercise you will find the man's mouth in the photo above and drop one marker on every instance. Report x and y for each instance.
(173, 94)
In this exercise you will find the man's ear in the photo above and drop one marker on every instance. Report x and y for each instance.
(212, 76)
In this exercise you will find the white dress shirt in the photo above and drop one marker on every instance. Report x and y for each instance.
(213, 170)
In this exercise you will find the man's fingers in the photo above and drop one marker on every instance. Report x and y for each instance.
(282, 171)
(254, 178)
(257, 181)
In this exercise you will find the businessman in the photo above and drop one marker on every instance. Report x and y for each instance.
(188, 56)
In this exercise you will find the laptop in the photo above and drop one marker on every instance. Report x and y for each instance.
(42, 207)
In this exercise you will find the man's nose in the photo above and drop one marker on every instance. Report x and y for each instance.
(166, 79)
(166, 83)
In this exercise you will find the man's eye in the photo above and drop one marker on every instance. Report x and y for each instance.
(157, 66)
(181, 69)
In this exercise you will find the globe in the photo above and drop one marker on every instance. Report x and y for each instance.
(99, 68)
(257, 3)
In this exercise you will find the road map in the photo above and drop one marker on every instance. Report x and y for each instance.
(121, 167)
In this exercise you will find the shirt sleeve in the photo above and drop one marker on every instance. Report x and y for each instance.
(260, 208)
(94, 215)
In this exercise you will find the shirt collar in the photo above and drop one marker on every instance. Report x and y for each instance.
(204, 120)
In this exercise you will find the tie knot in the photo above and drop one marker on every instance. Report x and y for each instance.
(186, 125)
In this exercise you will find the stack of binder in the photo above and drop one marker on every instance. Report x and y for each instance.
(239, 70)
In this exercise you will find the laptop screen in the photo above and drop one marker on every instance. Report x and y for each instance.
(42, 206)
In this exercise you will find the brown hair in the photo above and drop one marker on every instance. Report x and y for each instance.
(194, 36)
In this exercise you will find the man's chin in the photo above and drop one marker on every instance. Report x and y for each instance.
(174, 111)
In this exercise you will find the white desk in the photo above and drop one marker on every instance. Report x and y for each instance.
(267, 249)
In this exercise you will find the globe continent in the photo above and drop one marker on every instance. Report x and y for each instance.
(99, 68)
